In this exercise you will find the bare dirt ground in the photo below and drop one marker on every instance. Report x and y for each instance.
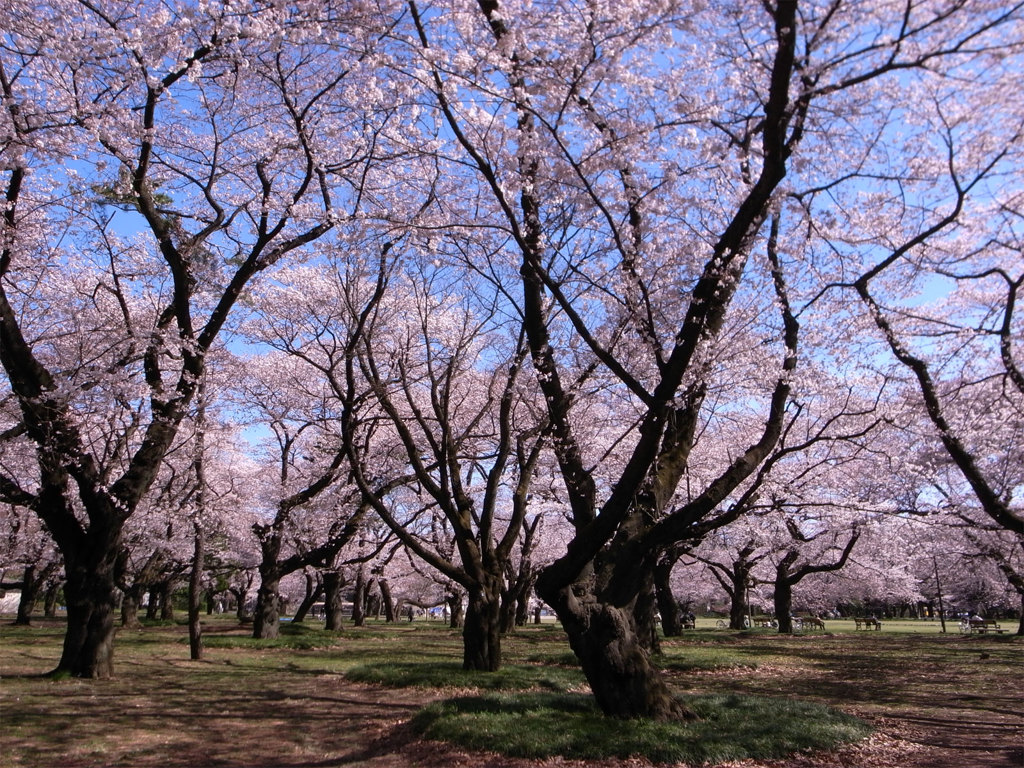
(166, 712)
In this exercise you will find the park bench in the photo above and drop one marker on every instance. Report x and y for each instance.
(981, 626)
(867, 622)
(763, 621)
(805, 622)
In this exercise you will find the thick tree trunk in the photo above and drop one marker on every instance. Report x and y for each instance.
(614, 658)
(333, 582)
(481, 635)
(784, 605)
(91, 596)
(167, 601)
(266, 618)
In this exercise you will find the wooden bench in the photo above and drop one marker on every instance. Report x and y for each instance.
(805, 622)
(867, 622)
(981, 626)
(763, 621)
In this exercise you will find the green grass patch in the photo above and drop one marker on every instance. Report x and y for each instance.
(730, 727)
(511, 677)
(704, 659)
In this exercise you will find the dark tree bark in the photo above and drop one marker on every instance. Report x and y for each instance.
(668, 606)
(387, 602)
(481, 648)
(333, 584)
(90, 594)
(33, 581)
(195, 591)
(50, 600)
(167, 600)
(130, 601)
(266, 617)
(314, 591)
(455, 610)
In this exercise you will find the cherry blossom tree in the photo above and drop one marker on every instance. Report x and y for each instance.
(646, 208)
(156, 158)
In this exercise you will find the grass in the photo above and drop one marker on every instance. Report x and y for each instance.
(328, 698)
(730, 727)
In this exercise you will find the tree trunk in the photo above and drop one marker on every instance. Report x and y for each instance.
(359, 599)
(130, 607)
(784, 605)
(50, 600)
(91, 595)
(153, 606)
(386, 599)
(314, 590)
(481, 635)
(29, 596)
(454, 600)
(266, 618)
(333, 582)
(241, 595)
(738, 608)
(671, 615)
(613, 657)
(195, 589)
(645, 616)
(523, 604)
(167, 601)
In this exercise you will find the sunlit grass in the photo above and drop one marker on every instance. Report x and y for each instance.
(728, 727)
